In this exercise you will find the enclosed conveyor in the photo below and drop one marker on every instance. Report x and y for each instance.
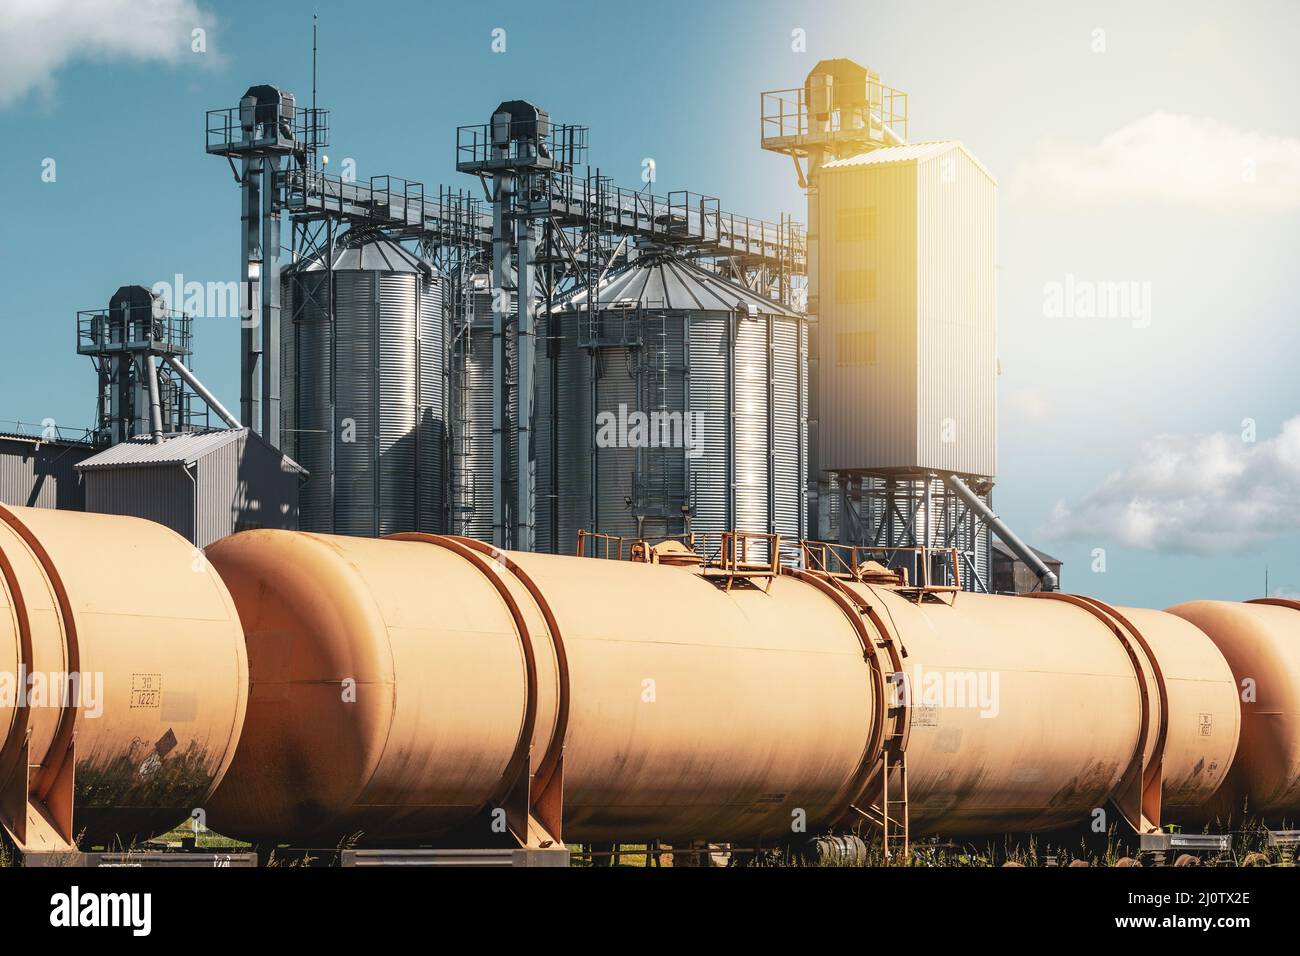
(425, 689)
(123, 676)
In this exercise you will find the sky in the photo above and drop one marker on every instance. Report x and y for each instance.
(1153, 147)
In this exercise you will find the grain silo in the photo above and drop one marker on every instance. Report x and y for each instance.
(364, 391)
(473, 506)
(675, 405)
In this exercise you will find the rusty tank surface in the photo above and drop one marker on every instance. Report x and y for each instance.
(1261, 642)
(428, 688)
(128, 655)
(1061, 705)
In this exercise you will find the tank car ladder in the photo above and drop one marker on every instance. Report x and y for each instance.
(889, 823)
(891, 815)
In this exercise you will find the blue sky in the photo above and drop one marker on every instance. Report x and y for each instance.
(1120, 163)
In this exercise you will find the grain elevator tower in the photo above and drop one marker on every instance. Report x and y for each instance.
(903, 302)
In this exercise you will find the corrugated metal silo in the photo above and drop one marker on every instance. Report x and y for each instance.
(679, 404)
(365, 396)
(474, 509)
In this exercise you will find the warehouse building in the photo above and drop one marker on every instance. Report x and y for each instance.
(203, 486)
(41, 472)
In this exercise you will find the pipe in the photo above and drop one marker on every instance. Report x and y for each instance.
(155, 405)
(1009, 537)
(203, 393)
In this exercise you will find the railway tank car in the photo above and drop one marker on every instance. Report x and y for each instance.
(1259, 640)
(401, 689)
(137, 741)
(307, 689)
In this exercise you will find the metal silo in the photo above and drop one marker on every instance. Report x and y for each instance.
(473, 507)
(563, 435)
(677, 404)
(365, 395)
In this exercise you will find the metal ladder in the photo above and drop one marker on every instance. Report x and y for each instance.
(890, 815)
(894, 813)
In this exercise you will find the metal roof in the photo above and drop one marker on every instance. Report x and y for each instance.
(183, 449)
(910, 153)
(1003, 550)
(372, 254)
(662, 282)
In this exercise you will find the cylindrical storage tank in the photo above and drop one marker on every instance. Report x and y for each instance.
(1261, 642)
(694, 408)
(1026, 714)
(474, 511)
(366, 392)
(151, 632)
(563, 436)
(396, 683)
(732, 714)
(721, 714)
(390, 689)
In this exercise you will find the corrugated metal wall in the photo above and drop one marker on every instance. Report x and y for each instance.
(243, 485)
(162, 493)
(368, 404)
(564, 437)
(957, 306)
(41, 474)
(868, 318)
(908, 314)
(743, 381)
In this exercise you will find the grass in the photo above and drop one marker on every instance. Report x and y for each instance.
(1250, 848)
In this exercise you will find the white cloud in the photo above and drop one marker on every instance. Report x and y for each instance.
(1168, 157)
(1196, 494)
(37, 37)
(1028, 404)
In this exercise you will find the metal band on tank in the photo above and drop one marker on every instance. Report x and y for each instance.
(863, 774)
(555, 748)
(455, 546)
(1118, 624)
(1276, 602)
(11, 755)
(62, 738)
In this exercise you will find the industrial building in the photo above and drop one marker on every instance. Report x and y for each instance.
(38, 469)
(202, 485)
(438, 362)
